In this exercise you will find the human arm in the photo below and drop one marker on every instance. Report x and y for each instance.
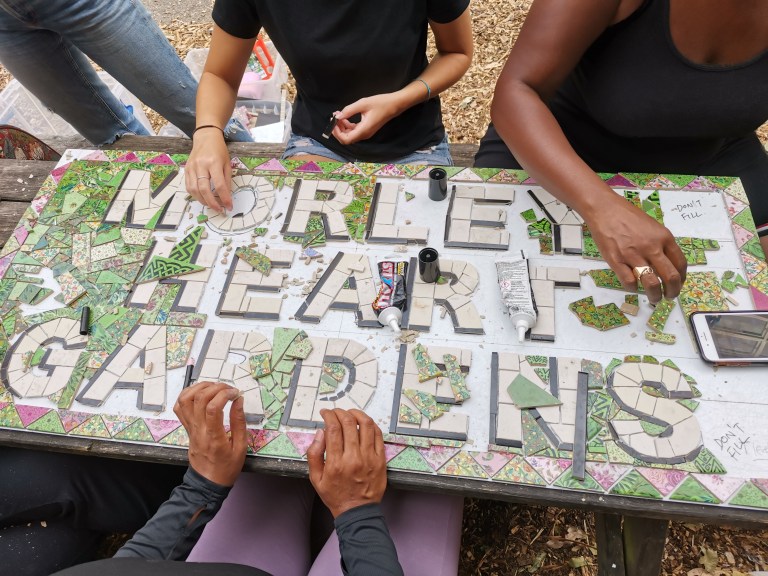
(351, 480)
(453, 41)
(209, 160)
(552, 41)
(215, 460)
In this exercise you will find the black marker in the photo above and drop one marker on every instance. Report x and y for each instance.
(188, 373)
(331, 125)
(85, 320)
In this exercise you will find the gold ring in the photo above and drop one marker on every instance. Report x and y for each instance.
(640, 271)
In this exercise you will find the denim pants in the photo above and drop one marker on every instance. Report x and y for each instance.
(44, 44)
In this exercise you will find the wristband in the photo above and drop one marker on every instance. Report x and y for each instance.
(207, 126)
(429, 90)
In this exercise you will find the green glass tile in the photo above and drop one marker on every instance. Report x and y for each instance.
(284, 366)
(707, 463)
(160, 268)
(178, 437)
(612, 365)
(526, 394)
(542, 227)
(751, 496)
(568, 481)
(137, 432)
(410, 459)
(595, 372)
(260, 364)
(50, 423)
(273, 422)
(692, 491)
(456, 378)
(599, 405)
(281, 340)
(301, 347)
(427, 369)
(688, 403)
(753, 248)
(593, 428)
(425, 402)
(633, 484)
(281, 446)
(542, 373)
(616, 454)
(538, 360)
(661, 314)
(529, 215)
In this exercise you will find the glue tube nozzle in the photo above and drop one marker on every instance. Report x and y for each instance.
(391, 317)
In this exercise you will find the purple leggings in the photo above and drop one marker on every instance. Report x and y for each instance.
(265, 520)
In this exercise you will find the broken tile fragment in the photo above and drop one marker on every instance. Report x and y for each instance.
(427, 369)
(425, 402)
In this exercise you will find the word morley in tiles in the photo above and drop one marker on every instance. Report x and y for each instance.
(275, 297)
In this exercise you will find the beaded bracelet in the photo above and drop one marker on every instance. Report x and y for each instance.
(429, 90)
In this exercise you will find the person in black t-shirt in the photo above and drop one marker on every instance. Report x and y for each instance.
(362, 60)
(661, 86)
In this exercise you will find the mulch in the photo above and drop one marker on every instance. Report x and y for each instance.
(509, 539)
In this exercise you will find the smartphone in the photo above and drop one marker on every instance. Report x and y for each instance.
(732, 338)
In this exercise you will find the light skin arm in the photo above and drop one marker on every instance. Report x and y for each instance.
(552, 41)
(209, 161)
(454, 55)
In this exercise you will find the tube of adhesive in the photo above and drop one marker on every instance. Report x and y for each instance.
(515, 285)
(392, 298)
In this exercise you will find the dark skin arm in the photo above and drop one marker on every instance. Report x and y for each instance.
(552, 41)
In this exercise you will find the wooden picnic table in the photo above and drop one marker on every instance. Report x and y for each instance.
(631, 532)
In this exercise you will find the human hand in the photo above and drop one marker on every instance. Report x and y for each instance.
(213, 453)
(375, 111)
(208, 164)
(628, 238)
(354, 470)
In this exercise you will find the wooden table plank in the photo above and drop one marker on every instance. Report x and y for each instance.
(21, 179)
(10, 214)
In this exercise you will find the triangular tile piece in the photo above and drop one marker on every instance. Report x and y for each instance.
(161, 428)
(392, 450)
(680, 180)
(699, 183)
(301, 440)
(606, 474)
(50, 423)
(185, 249)
(750, 495)
(568, 481)
(720, 485)
(280, 446)
(519, 471)
(549, 468)
(633, 484)
(526, 394)
(257, 439)
(129, 157)
(389, 170)
(71, 420)
(663, 480)
(137, 432)
(57, 173)
(761, 483)
(437, 456)
(309, 167)
(707, 463)
(741, 234)
(178, 437)
(492, 462)
(349, 168)
(692, 491)
(510, 177)
(281, 340)
(618, 181)
(733, 205)
(97, 155)
(272, 165)
(9, 418)
(486, 173)
(116, 423)
(409, 459)
(93, 428)
(467, 175)
(760, 299)
(162, 159)
(463, 465)
(29, 414)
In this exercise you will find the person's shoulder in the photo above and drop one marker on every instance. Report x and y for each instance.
(444, 11)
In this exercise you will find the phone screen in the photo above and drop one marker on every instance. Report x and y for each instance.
(739, 335)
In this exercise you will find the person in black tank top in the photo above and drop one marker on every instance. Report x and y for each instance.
(617, 86)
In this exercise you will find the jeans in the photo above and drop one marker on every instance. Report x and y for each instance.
(438, 155)
(44, 44)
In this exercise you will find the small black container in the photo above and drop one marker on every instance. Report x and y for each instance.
(429, 265)
(438, 184)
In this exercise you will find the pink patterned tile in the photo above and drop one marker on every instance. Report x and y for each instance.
(720, 485)
(162, 160)
(760, 299)
(740, 234)
(436, 456)
(392, 450)
(97, 155)
(309, 167)
(389, 170)
(665, 481)
(128, 157)
(5, 262)
(257, 439)
(606, 474)
(273, 165)
(620, 181)
(161, 428)
(29, 414)
(761, 483)
(699, 183)
(116, 423)
(71, 420)
(550, 468)
(57, 173)
(492, 462)
(301, 440)
(21, 234)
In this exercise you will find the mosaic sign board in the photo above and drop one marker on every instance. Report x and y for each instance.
(605, 395)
